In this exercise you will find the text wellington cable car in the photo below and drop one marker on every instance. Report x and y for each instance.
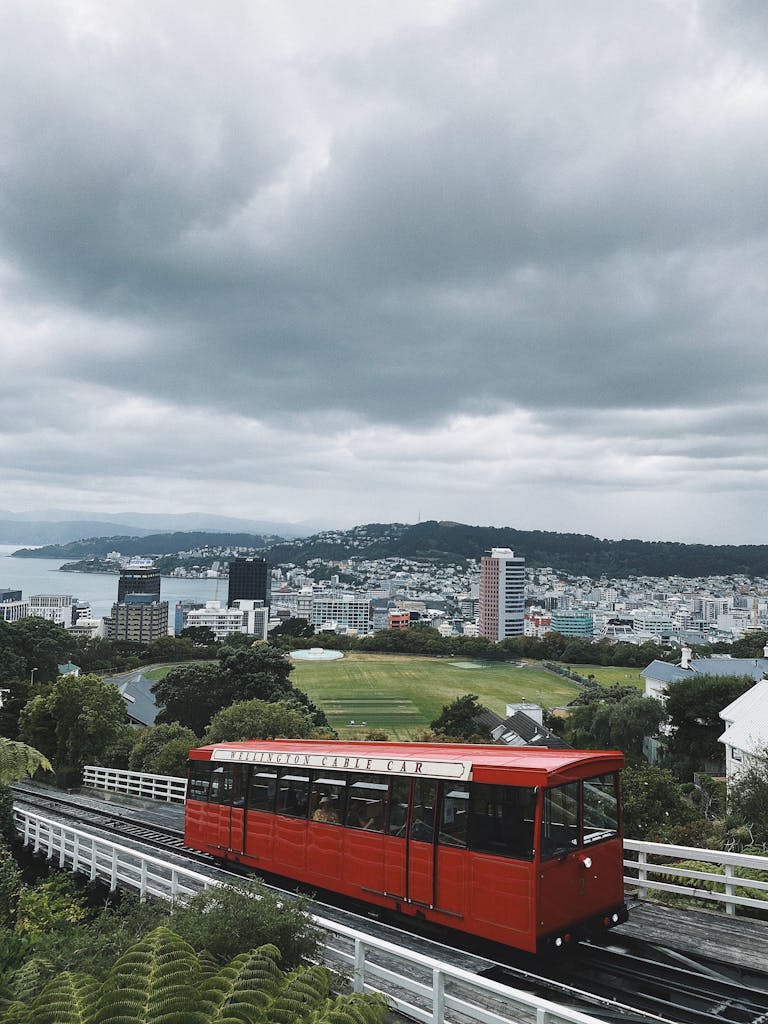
(520, 845)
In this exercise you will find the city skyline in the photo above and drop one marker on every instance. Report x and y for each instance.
(497, 264)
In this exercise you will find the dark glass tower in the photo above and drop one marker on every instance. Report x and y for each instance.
(248, 580)
(139, 578)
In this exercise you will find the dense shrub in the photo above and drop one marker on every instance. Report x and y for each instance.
(228, 920)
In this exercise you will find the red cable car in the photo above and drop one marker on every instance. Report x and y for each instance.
(521, 845)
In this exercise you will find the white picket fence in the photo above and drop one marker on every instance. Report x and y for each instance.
(656, 870)
(653, 870)
(168, 788)
(419, 987)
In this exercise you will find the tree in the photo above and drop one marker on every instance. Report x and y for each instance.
(653, 802)
(748, 797)
(18, 760)
(694, 705)
(73, 723)
(163, 749)
(43, 646)
(201, 636)
(160, 978)
(459, 719)
(259, 720)
(17, 693)
(191, 696)
(12, 662)
(261, 672)
(171, 648)
(293, 627)
(620, 725)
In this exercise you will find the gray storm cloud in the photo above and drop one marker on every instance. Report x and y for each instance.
(272, 215)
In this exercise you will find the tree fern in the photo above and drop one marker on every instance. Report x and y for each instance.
(241, 990)
(68, 999)
(154, 982)
(31, 978)
(305, 990)
(18, 760)
(16, 1013)
(209, 966)
(354, 1009)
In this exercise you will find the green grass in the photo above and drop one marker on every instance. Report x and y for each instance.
(402, 695)
(607, 675)
(160, 671)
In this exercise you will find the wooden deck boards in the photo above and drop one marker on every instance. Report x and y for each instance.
(701, 933)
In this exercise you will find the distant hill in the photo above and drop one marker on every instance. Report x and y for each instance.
(574, 553)
(18, 531)
(148, 545)
(54, 526)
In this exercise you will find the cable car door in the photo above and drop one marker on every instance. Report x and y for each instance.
(237, 808)
(396, 839)
(420, 855)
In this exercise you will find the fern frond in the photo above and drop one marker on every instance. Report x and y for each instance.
(355, 1009)
(19, 760)
(153, 982)
(30, 979)
(305, 990)
(68, 999)
(16, 1013)
(241, 990)
(209, 966)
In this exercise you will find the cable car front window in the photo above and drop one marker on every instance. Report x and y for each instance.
(560, 820)
(601, 808)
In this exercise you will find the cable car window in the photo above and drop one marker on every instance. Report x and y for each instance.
(423, 812)
(560, 820)
(221, 780)
(262, 790)
(601, 808)
(502, 820)
(236, 794)
(399, 791)
(328, 798)
(454, 813)
(199, 780)
(293, 793)
(367, 801)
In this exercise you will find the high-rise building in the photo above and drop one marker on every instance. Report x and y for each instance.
(502, 594)
(140, 619)
(248, 580)
(140, 576)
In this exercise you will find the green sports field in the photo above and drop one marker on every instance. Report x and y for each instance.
(607, 675)
(402, 695)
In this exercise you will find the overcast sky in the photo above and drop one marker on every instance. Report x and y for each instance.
(341, 262)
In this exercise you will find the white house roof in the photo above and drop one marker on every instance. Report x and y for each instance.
(747, 719)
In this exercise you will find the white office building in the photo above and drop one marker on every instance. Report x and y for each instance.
(250, 617)
(341, 614)
(58, 608)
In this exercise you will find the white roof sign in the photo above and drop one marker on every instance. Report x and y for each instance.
(453, 770)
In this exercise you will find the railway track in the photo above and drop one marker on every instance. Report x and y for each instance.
(656, 984)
